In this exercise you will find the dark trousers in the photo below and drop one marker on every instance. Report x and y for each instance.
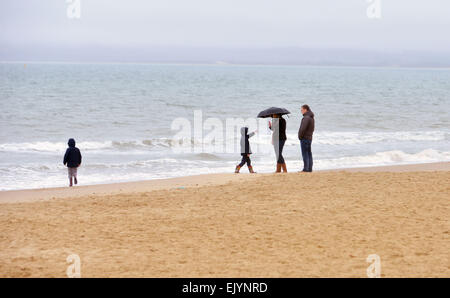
(279, 151)
(307, 155)
(245, 159)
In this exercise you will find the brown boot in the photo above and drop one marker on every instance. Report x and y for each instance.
(283, 166)
(250, 169)
(278, 168)
(237, 169)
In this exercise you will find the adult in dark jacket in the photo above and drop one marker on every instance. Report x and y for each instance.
(278, 126)
(72, 159)
(305, 135)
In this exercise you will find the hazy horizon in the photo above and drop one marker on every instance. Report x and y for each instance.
(323, 32)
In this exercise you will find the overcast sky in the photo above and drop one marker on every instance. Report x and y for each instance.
(35, 26)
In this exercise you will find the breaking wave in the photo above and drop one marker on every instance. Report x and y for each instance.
(321, 138)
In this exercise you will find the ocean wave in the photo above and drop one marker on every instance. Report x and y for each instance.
(151, 164)
(369, 137)
(355, 138)
(15, 176)
(211, 160)
(51, 146)
(395, 157)
(92, 146)
(320, 138)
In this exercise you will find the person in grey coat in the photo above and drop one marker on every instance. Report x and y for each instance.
(246, 151)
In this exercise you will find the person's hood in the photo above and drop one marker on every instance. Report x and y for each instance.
(244, 131)
(71, 143)
(309, 114)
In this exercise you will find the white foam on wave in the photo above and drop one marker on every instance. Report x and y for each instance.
(359, 138)
(58, 178)
(53, 147)
(320, 138)
(353, 138)
(52, 175)
(395, 157)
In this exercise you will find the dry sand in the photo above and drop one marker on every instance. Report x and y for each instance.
(322, 224)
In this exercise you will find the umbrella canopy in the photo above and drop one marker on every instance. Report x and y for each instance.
(273, 110)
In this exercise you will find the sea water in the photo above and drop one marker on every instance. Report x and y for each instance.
(122, 117)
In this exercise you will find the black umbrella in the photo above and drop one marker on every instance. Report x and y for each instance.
(271, 111)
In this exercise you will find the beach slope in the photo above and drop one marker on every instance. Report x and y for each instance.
(323, 224)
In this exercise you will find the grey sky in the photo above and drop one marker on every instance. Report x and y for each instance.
(412, 25)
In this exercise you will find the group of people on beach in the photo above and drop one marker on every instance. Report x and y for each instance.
(72, 157)
(278, 128)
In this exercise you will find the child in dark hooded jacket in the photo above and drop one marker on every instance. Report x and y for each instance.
(72, 159)
(245, 150)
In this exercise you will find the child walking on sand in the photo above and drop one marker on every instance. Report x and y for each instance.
(245, 150)
(73, 160)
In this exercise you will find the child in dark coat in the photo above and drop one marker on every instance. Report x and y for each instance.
(72, 159)
(245, 150)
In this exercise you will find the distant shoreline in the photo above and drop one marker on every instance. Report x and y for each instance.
(229, 64)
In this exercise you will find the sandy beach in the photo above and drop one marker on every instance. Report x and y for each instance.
(322, 224)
